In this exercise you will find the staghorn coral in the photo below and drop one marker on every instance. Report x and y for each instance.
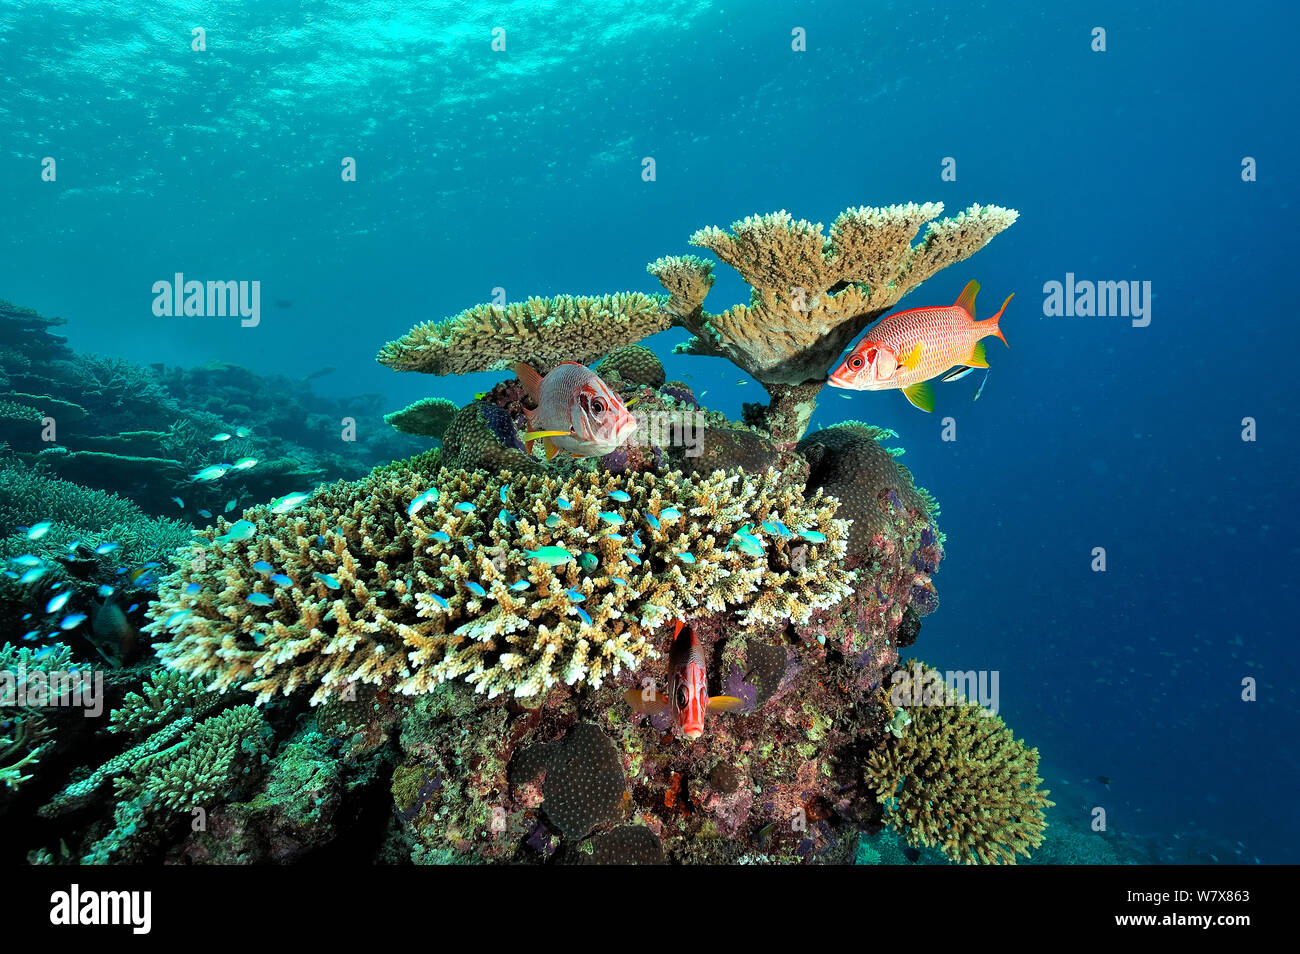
(542, 331)
(427, 417)
(201, 767)
(385, 598)
(635, 364)
(25, 731)
(812, 293)
(956, 778)
(165, 697)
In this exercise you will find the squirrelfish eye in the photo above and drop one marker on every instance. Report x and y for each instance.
(597, 406)
(681, 698)
(855, 362)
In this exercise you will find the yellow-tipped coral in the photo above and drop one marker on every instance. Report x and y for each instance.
(813, 293)
(955, 778)
(513, 583)
(542, 331)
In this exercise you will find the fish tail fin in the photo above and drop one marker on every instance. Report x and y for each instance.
(993, 327)
(530, 379)
(966, 300)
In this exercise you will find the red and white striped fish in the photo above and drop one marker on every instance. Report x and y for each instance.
(688, 693)
(904, 351)
(576, 412)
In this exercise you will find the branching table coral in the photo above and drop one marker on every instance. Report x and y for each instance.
(413, 577)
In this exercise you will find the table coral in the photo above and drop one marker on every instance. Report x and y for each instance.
(386, 593)
(544, 332)
(813, 293)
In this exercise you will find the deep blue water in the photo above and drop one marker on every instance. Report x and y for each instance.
(522, 169)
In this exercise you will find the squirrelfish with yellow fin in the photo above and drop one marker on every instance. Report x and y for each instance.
(904, 351)
(688, 690)
(576, 411)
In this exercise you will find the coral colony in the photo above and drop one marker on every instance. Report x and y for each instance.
(462, 628)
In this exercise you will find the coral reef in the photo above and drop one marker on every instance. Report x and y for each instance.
(427, 417)
(812, 293)
(957, 779)
(849, 462)
(541, 331)
(25, 731)
(635, 364)
(413, 577)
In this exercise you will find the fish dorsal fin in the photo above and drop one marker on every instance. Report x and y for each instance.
(677, 629)
(966, 300)
(921, 395)
(912, 359)
(977, 358)
(656, 705)
(725, 704)
(578, 363)
(530, 379)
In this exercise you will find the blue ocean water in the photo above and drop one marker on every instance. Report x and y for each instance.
(521, 169)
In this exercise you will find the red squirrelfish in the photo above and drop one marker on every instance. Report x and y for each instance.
(688, 695)
(576, 412)
(906, 350)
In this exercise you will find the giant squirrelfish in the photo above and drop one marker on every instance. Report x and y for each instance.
(904, 351)
(576, 412)
(688, 693)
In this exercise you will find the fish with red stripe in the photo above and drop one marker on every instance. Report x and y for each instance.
(688, 697)
(905, 351)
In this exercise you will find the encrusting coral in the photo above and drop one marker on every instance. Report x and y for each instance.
(410, 578)
(957, 779)
(850, 462)
(635, 364)
(542, 331)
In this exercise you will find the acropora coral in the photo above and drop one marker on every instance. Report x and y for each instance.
(513, 585)
(954, 777)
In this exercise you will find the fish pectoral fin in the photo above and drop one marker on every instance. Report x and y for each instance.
(656, 705)
(912, 360)
(534, 435)
(956, 374)
(921, 395)
(551, 448)
(977, 358)
(726, 704)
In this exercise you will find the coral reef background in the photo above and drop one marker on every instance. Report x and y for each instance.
(525, 170)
